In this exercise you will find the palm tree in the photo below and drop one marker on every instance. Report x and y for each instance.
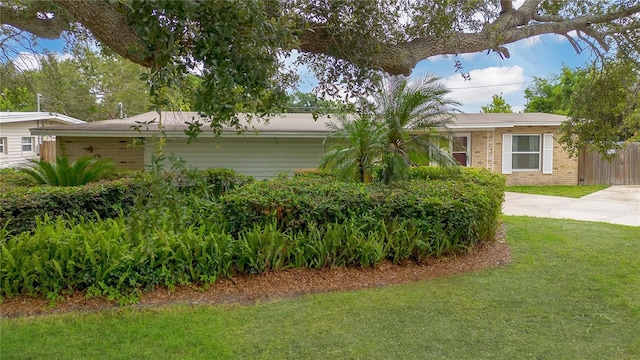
(362, 141)
(414, 115)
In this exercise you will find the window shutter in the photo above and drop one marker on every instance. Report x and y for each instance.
(506, 153)
(547, 154)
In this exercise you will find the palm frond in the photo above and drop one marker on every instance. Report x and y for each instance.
(82, 171)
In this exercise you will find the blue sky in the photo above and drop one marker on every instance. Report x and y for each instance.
(537, 57)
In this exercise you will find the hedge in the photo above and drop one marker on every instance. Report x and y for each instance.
(22, 201)
(306, 221)
(464, 207)
(19, 207)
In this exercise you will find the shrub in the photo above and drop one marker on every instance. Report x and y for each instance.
(11, 178)
(19, 207)
(436, 172)
(463, 209)
(294, 202)
(84, 170)
(176, 237)
(220, 181)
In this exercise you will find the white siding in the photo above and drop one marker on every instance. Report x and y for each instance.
(259, 157)
(14, 132)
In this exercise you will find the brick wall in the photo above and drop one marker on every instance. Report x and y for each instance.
(118, 149)
(486, 152)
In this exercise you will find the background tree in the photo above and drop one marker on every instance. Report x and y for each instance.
(16, 92)
(601, 104)
(498, 105)
(238, 45)
(552, 95)
(89, 86)
(603, 109)
(300, 102)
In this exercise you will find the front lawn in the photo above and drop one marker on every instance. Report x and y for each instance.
(571, 191)
(571, 292)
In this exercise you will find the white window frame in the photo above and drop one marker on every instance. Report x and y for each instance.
(467, 150)
(31, 143)
(3, 145)
(539, 152)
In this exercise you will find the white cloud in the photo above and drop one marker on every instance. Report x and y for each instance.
(27, 61)
(484, 83)
(30, 61)
(469, 56)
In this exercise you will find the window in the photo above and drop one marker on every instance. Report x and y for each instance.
(3, 145)
(525, 152)
(27, 144)
(460, 148)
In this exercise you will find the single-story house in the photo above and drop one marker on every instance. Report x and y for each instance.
(521, 146)
(17, 143)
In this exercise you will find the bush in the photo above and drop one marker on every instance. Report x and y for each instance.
(19, 207)
(294, 202)
(220, 181)
(12, 178)
(176, 237)
(463, 209)
(435, 172)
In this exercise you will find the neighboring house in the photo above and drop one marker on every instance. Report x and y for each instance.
(17, 144)
(292, 141)
(522, 146)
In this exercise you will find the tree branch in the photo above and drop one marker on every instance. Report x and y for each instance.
(29, 21)
(402, 58)
(108, 25)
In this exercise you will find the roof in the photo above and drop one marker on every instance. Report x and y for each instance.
(13, 117)
(504, 120)
(174, 124)
(284, 125)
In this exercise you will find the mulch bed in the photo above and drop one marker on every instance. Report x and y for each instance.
(247, 289)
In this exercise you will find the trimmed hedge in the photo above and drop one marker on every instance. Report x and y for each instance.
(19, 207)
(463, 208)
(220, 181)
(21, 200)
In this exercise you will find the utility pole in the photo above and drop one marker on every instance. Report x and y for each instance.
(121, 108)
(38, 100)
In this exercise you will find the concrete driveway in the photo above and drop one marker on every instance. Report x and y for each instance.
(616, 205)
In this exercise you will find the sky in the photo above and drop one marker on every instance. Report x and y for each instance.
(542, 56)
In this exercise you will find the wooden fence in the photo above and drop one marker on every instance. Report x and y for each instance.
(624, 169)
(48, 151)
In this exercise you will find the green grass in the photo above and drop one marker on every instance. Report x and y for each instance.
(571, 191)
(571, 292)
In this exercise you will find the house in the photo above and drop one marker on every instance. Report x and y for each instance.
(288, 142)
(17, 144)
(523, 147)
